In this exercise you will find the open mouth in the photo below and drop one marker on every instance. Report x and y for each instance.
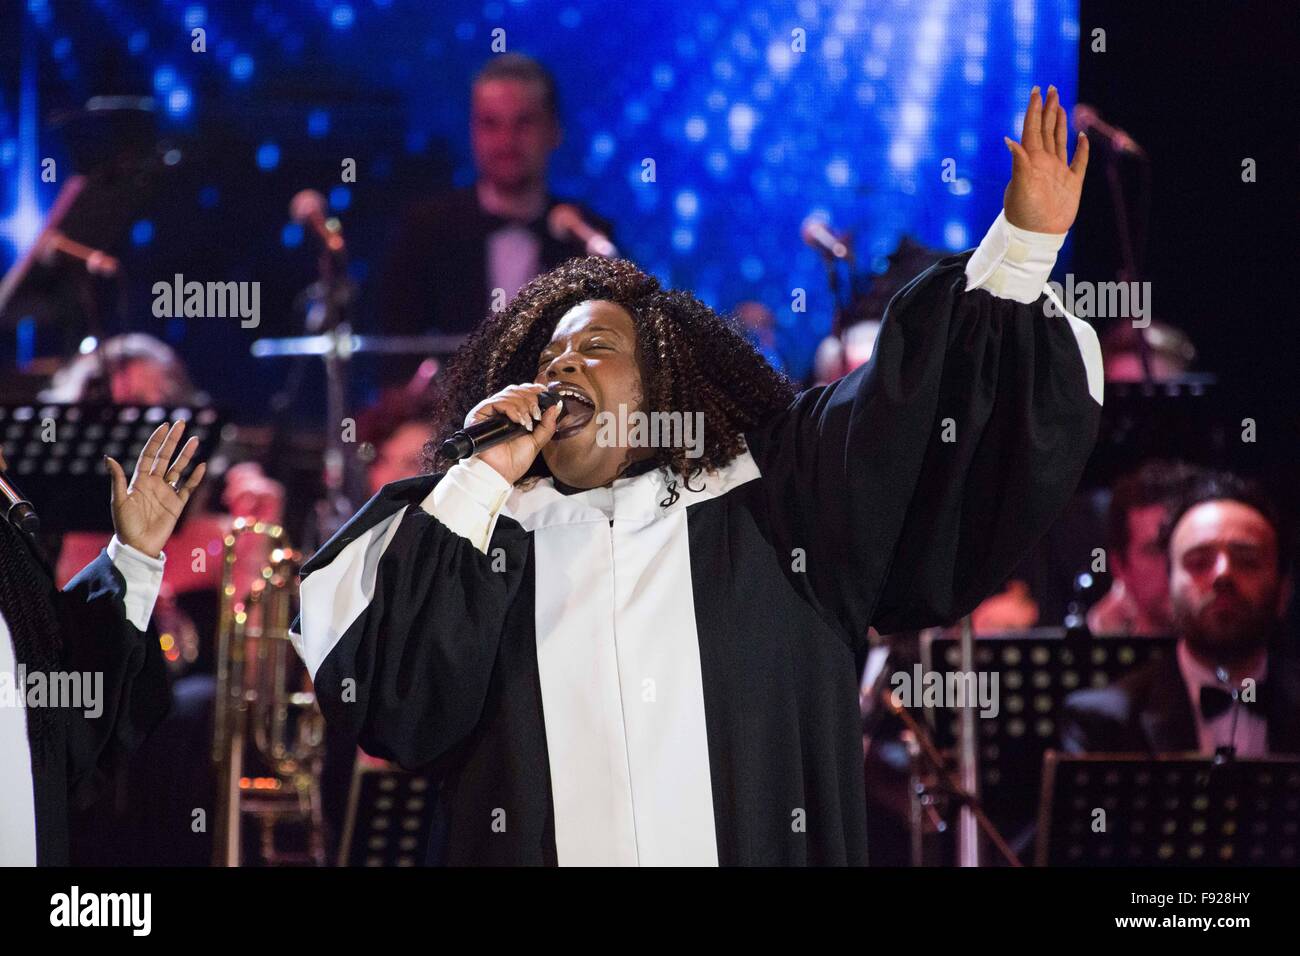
(579, 409)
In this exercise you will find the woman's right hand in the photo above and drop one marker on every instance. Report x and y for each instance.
(513, 458)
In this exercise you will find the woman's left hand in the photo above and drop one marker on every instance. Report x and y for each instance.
(1043, 195)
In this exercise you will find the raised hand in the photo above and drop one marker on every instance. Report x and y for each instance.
(145, 513)
(1043, 195)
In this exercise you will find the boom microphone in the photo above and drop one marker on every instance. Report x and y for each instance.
(566, 224)
(1087, 119)
(816, 233)
(307, 208)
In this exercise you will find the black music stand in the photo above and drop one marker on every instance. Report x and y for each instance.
(1037, 669)
(390, 816)
(1174, 810)
(1183, 418)
(65, 477)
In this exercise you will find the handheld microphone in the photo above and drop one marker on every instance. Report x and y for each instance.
(491, 431)
(17, 508)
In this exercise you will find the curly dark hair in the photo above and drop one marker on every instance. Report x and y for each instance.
(691, 359)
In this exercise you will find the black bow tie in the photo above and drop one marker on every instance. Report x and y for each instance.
(1216, 700)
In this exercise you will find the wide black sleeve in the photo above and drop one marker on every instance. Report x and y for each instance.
(915, 484)
(400, 623)
(99, 640)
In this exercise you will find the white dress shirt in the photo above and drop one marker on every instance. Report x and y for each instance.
(143, 576)
(514, 256)
(514, 252)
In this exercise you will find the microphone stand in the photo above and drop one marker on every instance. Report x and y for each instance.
(840, 305)
(329, 312)
(833, 282)
(968, 844)
(1130, 241)
(970, 804)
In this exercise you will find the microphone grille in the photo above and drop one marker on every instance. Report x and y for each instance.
(561, 220)
(305, 205)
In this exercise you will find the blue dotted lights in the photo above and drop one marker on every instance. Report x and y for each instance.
(342, 16)
(268, 156)
(241, 67)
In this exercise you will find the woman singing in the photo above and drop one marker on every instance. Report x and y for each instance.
(616, 652)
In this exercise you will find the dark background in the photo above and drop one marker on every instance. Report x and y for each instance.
(1202, 85)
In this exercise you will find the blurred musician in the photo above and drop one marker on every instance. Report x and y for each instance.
(452, 252)
(130, 369)
(1169, 350)
(1228, 586)
(1138, 600)
(397, 427)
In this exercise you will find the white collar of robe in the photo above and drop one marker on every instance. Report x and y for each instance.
(628, 499)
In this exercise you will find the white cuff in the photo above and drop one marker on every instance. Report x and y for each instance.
(1013, 263)
(467, 500)
(143, 576)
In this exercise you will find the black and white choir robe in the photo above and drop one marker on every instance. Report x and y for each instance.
(102, 615)
(602, 679)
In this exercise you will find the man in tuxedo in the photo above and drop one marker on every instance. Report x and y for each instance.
(464, 253)
(1228, 586)
(89, 640)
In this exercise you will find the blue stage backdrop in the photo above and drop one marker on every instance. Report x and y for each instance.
(755, 114)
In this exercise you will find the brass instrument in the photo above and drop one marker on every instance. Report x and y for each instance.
(268, 743)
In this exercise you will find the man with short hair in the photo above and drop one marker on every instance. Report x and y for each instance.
(457, 253)
(1228, 586)
(1137, 603)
